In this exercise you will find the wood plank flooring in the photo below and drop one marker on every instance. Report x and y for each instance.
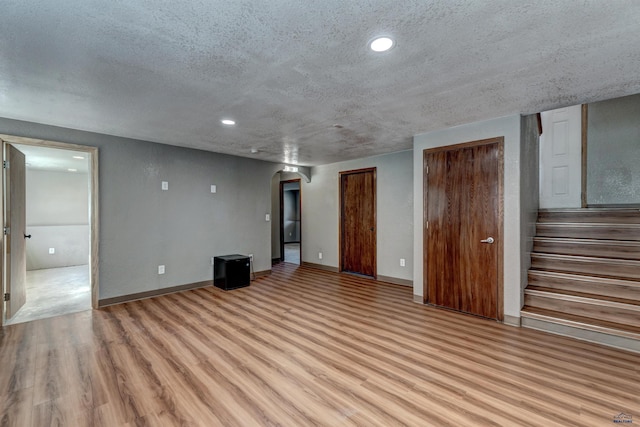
(304, 347)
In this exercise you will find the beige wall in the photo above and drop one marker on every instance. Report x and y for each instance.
(57, 217)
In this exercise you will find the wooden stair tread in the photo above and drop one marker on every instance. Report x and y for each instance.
(590, 230)
(633, 226)
(559, 293)
(594, 259)
(617, 215)
(589, 210)
(581, 322)
(589, 241)
(584, 278)
(602, 248)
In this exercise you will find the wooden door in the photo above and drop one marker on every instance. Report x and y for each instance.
(561, 158)
(358, 221)
(463, 227)
(15, 217)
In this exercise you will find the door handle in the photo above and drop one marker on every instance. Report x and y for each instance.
(488, 240)
(27, 236)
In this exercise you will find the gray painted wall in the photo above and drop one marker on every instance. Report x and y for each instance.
(142, 226)
(394, 213)
(275, 216)
(57, 217)
(529, 194)
(613, 151)
(509, 128)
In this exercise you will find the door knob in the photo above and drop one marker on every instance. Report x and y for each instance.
(487, 240)
(27, 236)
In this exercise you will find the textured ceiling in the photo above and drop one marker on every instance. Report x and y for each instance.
(297, 76)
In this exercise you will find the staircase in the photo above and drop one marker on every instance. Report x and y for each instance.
(584, 279)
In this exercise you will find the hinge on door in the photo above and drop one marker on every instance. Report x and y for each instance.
(5, 164)
(7, 296)
(7, 230)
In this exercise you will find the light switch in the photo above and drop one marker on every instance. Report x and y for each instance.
(267, 217)
(52, 251)
(165, 185)
(213, 189)
(161, 269)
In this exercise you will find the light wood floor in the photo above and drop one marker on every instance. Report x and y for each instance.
(304, 347)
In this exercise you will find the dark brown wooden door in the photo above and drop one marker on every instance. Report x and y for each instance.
(16, 258)
(463, 227)
(358, 221)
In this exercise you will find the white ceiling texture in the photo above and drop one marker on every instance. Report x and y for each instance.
(298, 76)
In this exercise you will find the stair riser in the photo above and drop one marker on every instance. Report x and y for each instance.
(604, 250)
(596, 288)
(568, 231)
(612, 314)
(621, 217)
(625, 343)
(578, 266)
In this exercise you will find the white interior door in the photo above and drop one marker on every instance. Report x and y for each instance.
(561, 158)
(15, 222)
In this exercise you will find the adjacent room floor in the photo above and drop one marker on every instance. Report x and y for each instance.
(55, 291)
(292, 253)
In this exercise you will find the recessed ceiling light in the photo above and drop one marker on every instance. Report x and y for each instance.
(228, 122)
(72, 170)
(78, 157)
(381, 44)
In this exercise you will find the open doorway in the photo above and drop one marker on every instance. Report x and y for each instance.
(60, 231)
(290, 221)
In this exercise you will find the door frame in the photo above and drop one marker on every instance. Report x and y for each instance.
(94, 218)
(375, 217)
(299, 181)
(500, 220)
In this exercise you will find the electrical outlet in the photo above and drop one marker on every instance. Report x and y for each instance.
(402, 262)
(161, 269)
(165, 185)
(319, 255)
(52, 251)
(214, 189)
